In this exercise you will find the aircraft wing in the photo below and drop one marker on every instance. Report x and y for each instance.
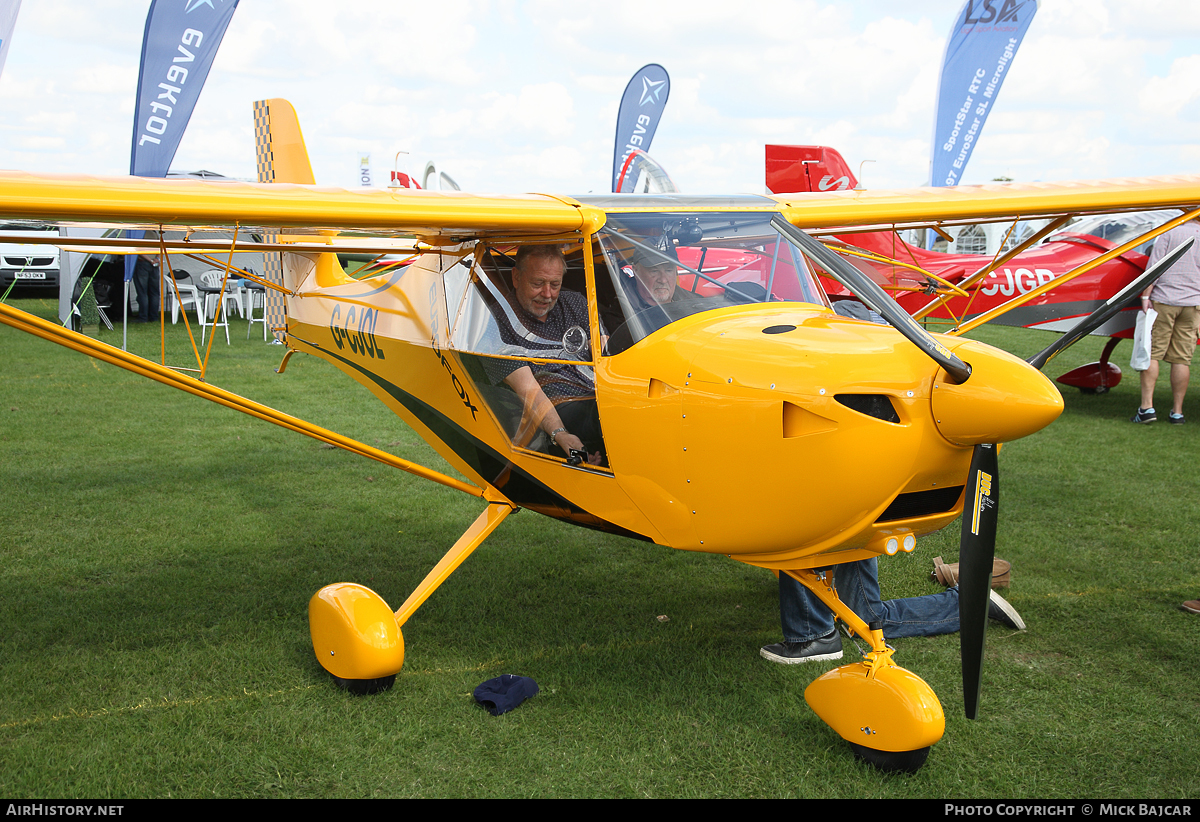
(842, 214)
(973, 204)
(151, 202)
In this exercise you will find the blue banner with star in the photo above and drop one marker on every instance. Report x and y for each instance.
(641, 108)
(181, 40)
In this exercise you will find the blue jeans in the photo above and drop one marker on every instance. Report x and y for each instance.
(805, 617)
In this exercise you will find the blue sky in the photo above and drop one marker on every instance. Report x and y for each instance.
(522, 96)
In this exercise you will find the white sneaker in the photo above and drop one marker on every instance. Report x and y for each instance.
(1005, 614)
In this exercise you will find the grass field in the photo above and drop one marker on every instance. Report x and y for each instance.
(159, 553)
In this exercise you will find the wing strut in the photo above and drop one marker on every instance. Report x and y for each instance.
(1033, 294)
(23, 321)
(996, 262)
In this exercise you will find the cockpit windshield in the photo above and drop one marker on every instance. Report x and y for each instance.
(665, 266)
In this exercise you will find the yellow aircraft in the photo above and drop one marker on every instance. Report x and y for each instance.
(728, 410)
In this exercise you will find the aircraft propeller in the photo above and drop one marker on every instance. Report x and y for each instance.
(977, 543)
(976, 552)
(977, 546)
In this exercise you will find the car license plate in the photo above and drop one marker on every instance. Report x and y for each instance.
(31, 275)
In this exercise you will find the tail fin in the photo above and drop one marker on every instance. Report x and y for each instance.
(282, 157)
(807, 168)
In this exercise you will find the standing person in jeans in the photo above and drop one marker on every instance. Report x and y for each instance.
(1176, 298)
(145, 282)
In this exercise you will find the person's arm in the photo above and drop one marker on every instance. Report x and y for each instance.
(539, 408)
(1162, 246)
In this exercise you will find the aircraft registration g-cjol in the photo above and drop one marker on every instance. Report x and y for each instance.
(1044, 279)
(744, 417)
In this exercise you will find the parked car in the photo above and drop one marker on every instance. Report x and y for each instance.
(30, 265)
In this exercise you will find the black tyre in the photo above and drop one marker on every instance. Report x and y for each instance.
(365, 687)
(892, 761)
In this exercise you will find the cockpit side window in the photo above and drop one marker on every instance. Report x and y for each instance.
(491, 318)
(523, 335)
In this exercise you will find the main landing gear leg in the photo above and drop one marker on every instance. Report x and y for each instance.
(355, 635)
(889, 715)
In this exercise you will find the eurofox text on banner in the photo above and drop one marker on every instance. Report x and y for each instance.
(641, 108)
(181, 40)
(8, 21)
(979, 53)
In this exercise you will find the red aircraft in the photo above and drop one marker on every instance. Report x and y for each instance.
(1047, 281)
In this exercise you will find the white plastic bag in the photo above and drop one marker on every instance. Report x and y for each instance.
(1140, 360)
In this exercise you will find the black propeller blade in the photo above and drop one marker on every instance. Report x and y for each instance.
(977, 549)
(1110, 308)
(875, 298)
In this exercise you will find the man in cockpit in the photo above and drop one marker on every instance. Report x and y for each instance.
(650, 280)
(560, 399)
(653, 279)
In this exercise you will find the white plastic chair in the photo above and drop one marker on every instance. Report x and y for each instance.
(188, 299)
(216, 303)
(212, 279)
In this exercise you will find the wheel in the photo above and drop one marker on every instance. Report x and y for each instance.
(365, 687)
(903, 761)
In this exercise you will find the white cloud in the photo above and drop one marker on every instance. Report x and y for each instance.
(516, 96)
(1166, 96)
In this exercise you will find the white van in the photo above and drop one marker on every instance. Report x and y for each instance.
(28, 264)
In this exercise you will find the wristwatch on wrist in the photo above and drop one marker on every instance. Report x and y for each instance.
(554, 434)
